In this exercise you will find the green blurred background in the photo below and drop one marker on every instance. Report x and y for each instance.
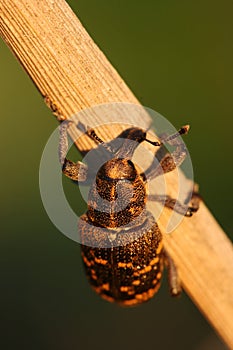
(177, 58)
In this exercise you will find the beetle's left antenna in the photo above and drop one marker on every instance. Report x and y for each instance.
(93, 136)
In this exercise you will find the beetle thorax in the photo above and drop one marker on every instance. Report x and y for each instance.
(118, 194)
(118, 169)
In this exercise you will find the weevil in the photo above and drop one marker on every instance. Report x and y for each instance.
(128, 269)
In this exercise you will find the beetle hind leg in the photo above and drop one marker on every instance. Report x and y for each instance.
(173, 277)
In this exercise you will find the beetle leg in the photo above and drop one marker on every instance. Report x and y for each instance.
(174, 204)
(166, 162)
(75, 171)
(195, 199)
(63, 141)
(173, 277)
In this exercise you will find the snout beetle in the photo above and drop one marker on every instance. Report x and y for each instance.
(127, 273)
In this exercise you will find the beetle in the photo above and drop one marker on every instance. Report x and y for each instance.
(121, 245)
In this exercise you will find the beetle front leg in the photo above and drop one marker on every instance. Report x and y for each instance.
(165, 162)
(75, 171)
(63, 141)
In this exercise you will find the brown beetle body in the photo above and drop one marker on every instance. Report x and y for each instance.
(128, 273)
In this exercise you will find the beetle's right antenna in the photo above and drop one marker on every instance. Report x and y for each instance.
(183, 131)
(154, 143)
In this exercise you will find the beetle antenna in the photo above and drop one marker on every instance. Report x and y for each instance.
(92, 134)
(183, 131)
(154, 143)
